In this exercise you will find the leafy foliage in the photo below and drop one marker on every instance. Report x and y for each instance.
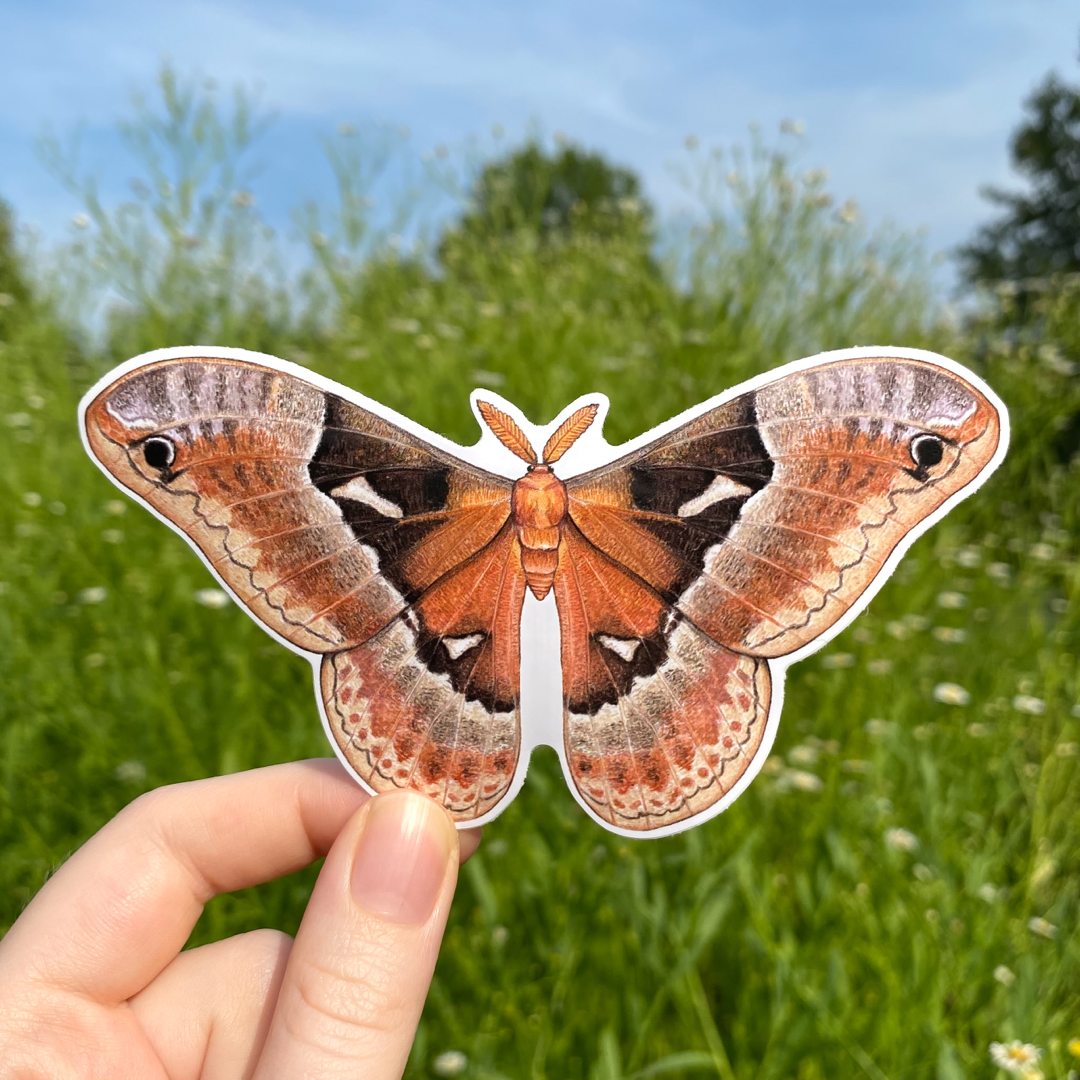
(864, 909)
(570, 190)
(1039, 232)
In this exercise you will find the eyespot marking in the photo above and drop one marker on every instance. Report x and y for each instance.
(159, 452)
(927, 450)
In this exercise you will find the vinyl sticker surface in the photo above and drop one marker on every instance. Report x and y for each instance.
(661, 587)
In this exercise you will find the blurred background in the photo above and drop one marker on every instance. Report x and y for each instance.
(655, 201)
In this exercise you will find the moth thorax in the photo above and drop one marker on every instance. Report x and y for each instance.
(539, 504)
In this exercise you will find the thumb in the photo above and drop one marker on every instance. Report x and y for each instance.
(360, 969)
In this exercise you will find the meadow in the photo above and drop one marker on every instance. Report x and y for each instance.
(901, 885)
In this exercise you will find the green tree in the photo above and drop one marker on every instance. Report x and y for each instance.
(1039, 232)
(572, 190)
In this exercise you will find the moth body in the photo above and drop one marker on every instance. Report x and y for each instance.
(539, 504)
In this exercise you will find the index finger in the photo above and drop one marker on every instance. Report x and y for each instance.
(121, 908)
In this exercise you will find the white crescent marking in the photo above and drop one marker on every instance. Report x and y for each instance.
(359, 490)
(722, 487)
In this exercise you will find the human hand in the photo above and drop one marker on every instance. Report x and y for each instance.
(93, 983)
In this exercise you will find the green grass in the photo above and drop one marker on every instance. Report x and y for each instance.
(786, 938)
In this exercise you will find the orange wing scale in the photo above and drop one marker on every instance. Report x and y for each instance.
(660, 721)
(431, 703)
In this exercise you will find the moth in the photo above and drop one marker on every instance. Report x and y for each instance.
(687, 568)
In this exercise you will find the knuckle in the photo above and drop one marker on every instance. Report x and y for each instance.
(341, 1006)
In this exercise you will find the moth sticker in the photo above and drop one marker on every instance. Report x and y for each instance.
(674, 578)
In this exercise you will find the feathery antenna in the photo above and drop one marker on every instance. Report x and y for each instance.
(507, 431)
(568, 433)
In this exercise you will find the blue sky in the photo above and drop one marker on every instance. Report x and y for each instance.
(908, 105)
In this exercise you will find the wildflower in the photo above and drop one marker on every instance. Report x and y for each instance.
(116, 507)
(901, 840)
(879, 667)
(1067, 749)
(922, 872)
(1014, 1057)
(211, 598)
(803, 755)
(1004, 975)
(404, 326)
(58, 508)
(1040, 926)
(1074, 1047)
(1025, 703)
(952, 600)
(6, 299)
(849, 212)
(860, 768)
(242, 199)
(425, 341)
(695, 337)
(969, 557)
(916, 622)
(931, 916)
(488, 310)
(112, 536)
(691, 142)
(1042, 552)
(792, 127)
(80, 221)
(31, 498)
(838, 660)
(878, 729)
(1001, 572)
(94, 595)
(94, 659)
(132, 771)
(977, 730)
(500, 935)
(346, 129)
(949, 635)
(804, 781)
(488, 378)
(949, 693)
(772, 766)
(450, 1063)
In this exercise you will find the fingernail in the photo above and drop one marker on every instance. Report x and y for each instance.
(401, 859)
